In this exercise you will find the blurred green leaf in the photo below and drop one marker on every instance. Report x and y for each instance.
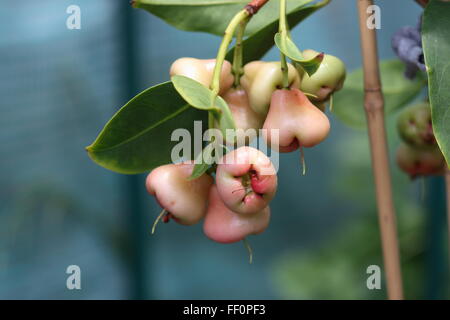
(138, 136)
(335, 267)
(288, 48)
(261, 40)
(398, 91)
(436, 46)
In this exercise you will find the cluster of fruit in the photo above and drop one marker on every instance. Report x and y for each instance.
(236, 204)
(419, 154)
(260, 101)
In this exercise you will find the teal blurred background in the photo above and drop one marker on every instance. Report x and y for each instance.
(58, 87)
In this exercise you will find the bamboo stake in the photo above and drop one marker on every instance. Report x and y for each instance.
(374, 107)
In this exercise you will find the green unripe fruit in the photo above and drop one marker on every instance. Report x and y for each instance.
(415, 127)
(420, 162)
(261, 79)
(328, 79)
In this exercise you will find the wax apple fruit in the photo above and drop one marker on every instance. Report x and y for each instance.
(202, 71)
(299, 122)
(246, 180)
(225, 226)
(244, 116)
(327, 79)
(420, 162)
(415, 127)
(261, 79)
(185, 200)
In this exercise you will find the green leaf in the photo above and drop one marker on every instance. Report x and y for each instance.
(199, 170)
(200, 97)
(202, 162)
(289, 49)
(138, 136)
(194, 93)
(226, 120)
(211, 16)
(436, 46)
(260, 41)
(397, 90)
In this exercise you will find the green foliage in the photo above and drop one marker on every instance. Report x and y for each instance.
(202, 162)
(194, 93)
(289, 49)
(436, 46)
(211, 16)
(397, 90)
(138, 136)
(200, 97)
(260, 41)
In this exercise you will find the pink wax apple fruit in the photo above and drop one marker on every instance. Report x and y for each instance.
(300, 123)
(225, 226)
(185, 200)
(201, 70)
(244, 117)
(420, 162)
(246, 180)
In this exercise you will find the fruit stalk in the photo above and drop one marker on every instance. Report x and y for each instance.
(245, 14)
(283, 30)
(237, 69)
(374, 108)
(228, 36)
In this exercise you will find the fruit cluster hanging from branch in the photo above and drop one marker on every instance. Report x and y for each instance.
(232, 190)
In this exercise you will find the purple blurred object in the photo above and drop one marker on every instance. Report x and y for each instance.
(407, 45)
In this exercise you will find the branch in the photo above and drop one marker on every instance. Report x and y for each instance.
(254, 6)
(245, 14)
(422, 3)
(374, 107)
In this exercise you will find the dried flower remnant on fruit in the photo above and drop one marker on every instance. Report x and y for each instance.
(246, 180)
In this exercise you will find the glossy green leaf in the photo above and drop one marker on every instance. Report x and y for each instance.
(194, 93)
(289, 49)
(397, 90)
(261, 41)
(436, 46)
(138, 136)
(212, 16)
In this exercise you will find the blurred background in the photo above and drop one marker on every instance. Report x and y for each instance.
(58, 88)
